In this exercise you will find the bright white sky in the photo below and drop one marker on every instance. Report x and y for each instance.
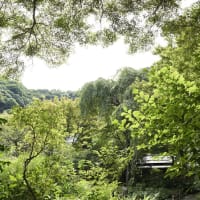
(86, 64)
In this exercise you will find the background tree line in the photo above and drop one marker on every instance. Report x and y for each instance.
(13, 93)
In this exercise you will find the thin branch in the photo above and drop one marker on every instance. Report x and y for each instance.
(34, 14)
(30, 158)
(101, 10)
(26, 163)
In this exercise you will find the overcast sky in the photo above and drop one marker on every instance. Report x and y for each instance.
(86, 64)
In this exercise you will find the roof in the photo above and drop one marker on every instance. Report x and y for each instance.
(155, 161)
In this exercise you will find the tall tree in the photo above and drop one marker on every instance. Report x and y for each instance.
(104, 97)
(38, 136)
(168, 116)
(103, 100)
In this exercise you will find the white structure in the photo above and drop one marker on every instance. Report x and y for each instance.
(155, 161)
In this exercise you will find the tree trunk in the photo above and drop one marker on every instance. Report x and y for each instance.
(30, 189)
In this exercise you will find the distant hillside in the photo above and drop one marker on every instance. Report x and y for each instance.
(14, 93)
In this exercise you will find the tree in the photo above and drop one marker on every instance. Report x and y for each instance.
(95, 98)
(39, 140)
(102, 101)
(104, 97)
(167, 119)
(13, 93)
(182, 34)
(50, 29)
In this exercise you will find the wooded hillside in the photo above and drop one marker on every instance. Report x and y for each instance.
(13, 93)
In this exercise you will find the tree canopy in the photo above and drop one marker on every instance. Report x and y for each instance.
(50, 29)
(167, 118)
(93, 146)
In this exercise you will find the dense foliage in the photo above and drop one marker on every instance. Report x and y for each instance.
(55, 140)
(83, 147)
(50, 29)
(167, 118)
(13, 93)
(88, 147)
